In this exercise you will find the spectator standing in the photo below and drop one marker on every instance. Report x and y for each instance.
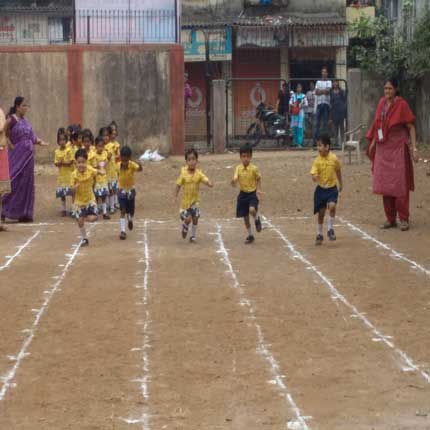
(322, 91)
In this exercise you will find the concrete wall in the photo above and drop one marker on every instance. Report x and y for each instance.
(364, 92)
(42, 79)
(133, 88)
(422, 110)
(140, 87)
(317, 6)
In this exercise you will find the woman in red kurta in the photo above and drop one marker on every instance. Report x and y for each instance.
(392, 131)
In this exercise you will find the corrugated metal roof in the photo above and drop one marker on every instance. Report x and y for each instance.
(258, 17)
(291, 20)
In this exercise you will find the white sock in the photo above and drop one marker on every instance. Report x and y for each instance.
(83, 232)
(330, 223)
(63, 205)
(193, 230)
(112, 201)
(249, 231)
(320, 229)
(122, 223)
(104, 208)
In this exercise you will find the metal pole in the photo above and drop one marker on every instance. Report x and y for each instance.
(74, 22)
(88, 30)
(208, 89)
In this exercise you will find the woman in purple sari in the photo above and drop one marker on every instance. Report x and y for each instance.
(19, 203)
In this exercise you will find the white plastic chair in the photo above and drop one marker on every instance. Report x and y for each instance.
(351, 142)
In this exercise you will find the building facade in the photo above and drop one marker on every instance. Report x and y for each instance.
(265, 44)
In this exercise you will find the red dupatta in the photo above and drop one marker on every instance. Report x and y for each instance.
(398, 113)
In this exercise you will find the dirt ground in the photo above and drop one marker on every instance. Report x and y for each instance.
(157, 333)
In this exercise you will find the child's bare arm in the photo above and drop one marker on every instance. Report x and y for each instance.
(140, 166)
(208, 183)
(316, 178)
(339, 179)
(177, 189)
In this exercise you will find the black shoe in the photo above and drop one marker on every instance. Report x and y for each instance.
(84, 242)
(123, 235)
(249, 239)
(184, 231)
(319, 240)
(258, 224)
(130, 224)
(106, 216)
(331, 235)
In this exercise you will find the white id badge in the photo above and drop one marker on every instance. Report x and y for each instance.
(380, 134)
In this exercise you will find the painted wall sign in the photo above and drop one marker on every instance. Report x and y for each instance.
(220, 45)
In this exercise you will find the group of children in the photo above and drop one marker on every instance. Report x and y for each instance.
(99, 175)
(325, 172)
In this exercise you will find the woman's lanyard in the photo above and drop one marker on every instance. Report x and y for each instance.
(384, 113)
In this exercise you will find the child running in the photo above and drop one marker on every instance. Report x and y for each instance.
(189, 180)
(126, 191)
(99, 161)
(84, 200)
(249, 179)
(88, 144)
(326, 172)
(65, 163)
(113, 157)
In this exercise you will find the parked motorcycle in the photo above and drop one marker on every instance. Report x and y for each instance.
(269, 123)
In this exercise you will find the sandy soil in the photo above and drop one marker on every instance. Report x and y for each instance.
(157, 333)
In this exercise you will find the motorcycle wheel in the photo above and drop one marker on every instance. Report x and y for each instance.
(253, 134)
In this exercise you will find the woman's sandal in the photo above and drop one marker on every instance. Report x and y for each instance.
(404, 226)
(388, 224)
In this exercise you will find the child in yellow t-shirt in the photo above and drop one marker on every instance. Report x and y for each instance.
(99, 161)
(88, 144)
(326, 172)
(85, 206)
(112, 148)
(189, 180)
(64, 161)
(249, 179)
(126, 191)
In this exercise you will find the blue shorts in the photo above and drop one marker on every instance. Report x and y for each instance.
(113, 186)
(101, 192)
(126, 199)
(63, 192)
(83, 212)
(244, 202)
(193, 212)
(324, 196)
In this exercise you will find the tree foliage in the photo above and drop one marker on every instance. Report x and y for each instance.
(388, 49)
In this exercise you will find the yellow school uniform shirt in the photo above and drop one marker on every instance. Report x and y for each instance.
(84, 194)
(126, 176)
(100, 161)
(247, 177)
(326, 168)
(114, 149)
(64, 172)
(190, 183)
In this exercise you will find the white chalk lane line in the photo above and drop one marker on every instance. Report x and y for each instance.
(408, 364)
(300, 421)
(379, 244)
(21, 248)
(143, 381)
(7, 380)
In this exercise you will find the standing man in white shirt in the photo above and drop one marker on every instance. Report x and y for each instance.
(322, 91)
